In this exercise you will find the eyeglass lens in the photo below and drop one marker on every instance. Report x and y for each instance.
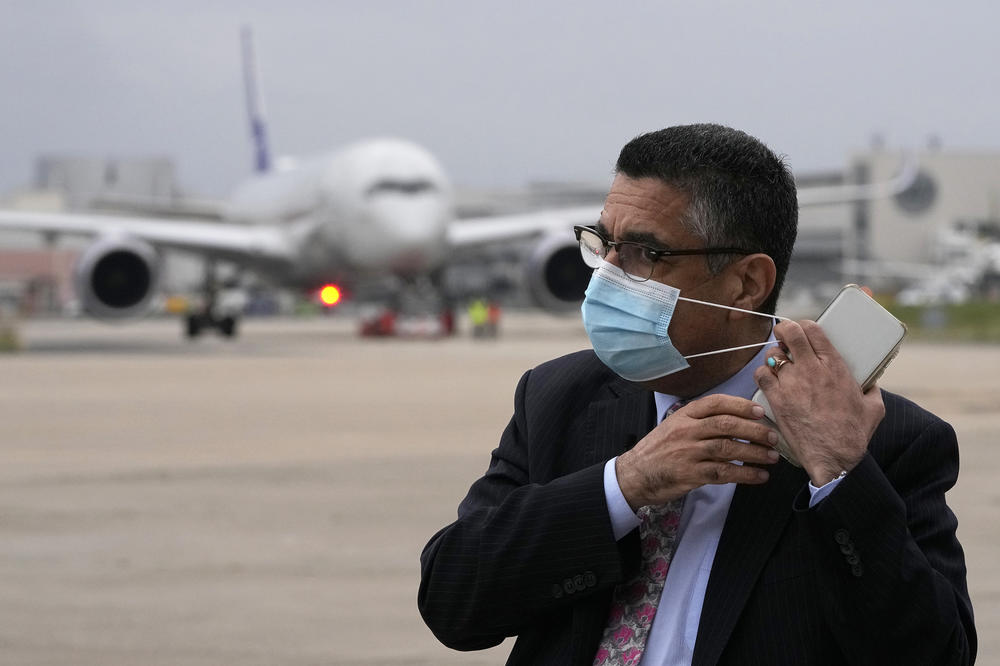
(631, 257)
(592, 248)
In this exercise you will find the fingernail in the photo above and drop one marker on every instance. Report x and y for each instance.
(763, 475)
(758, 411)
(773, 455)
(772, 437)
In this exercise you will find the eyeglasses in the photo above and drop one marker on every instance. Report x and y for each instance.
(635, 259)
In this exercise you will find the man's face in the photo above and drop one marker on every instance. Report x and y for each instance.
(646, 210)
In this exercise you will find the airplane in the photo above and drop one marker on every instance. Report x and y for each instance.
(375, 209)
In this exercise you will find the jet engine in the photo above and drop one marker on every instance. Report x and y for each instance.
(556, 274)
(116, 276)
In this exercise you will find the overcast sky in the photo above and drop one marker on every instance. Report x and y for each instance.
(502, 93)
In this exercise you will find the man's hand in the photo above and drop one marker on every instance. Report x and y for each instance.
(693, 447)
(825, 418)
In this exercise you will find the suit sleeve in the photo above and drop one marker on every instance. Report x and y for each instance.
(521, 548)
(891, 570)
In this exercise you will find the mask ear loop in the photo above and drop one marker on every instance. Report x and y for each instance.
(729, 307)
(729, 349)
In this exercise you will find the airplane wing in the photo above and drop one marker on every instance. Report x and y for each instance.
(223, 241)
(160, 207)
(473, 231)
(483, 230)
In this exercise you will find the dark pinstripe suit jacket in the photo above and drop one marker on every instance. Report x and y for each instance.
(872, 575)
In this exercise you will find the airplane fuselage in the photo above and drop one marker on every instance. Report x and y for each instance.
(374, 208)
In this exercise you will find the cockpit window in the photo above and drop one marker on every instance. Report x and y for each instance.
(401, 186)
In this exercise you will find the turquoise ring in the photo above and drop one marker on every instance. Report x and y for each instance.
(776, 363)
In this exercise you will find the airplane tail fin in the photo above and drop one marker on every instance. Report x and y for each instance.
(255, 105)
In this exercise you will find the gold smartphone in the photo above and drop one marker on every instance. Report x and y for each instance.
(866, 335)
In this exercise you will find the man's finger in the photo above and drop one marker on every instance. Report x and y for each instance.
(818, 341)
(791, 335)
(765, 378)
(730, 427)
(724, 450)
(717, 404)
(722, 472)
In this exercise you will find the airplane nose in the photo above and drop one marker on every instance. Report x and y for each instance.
(413, 235)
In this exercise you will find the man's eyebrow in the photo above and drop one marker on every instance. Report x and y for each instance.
(646, 238)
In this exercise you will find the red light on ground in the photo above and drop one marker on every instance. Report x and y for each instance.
(330, 294)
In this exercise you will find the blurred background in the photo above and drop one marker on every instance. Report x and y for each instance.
(114, 106)
(244, 496)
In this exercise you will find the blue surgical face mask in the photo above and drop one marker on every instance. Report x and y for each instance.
(627, 323)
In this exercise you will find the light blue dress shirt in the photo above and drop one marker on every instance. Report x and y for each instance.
(675, 626)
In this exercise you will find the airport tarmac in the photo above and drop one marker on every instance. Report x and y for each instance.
(265, 500)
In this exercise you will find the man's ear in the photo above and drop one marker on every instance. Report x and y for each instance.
(753, 279)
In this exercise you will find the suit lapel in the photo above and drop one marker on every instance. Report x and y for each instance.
(618, 419)
(620, 416)
(757, 517)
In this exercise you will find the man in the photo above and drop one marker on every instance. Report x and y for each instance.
(635, 509)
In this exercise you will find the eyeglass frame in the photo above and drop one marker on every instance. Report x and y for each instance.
(654, 253)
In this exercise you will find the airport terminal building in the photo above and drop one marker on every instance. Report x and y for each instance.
(944, 220)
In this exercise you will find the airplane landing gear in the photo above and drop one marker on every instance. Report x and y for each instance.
(227, 326)
(416, 308)
(196, 323)
(221, 310)
(193, 326)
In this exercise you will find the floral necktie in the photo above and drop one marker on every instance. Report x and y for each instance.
(634, 603)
